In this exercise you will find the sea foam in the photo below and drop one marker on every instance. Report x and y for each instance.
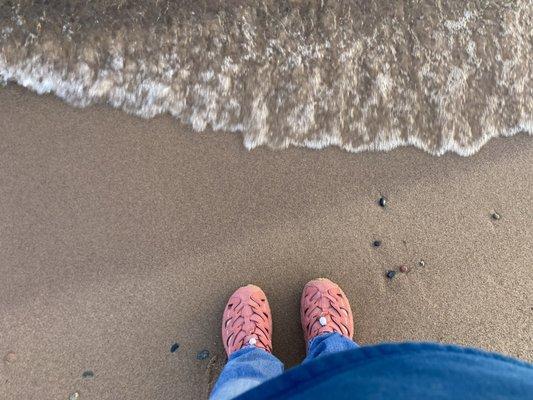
(361, 75)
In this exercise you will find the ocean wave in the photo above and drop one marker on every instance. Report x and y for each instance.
(361, 75)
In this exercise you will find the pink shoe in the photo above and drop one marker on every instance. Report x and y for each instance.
(247, 320)
(325, 308)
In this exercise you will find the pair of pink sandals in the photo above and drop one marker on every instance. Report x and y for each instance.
(247, 320)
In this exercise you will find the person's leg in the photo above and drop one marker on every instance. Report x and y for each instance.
(327, 319)
(328, 343)
(247, 337)
(246, 368)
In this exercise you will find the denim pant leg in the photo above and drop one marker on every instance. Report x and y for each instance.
(328, 343)
(245, 369)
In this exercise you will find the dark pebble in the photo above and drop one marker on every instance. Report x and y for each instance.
(202, 355)
(174, 347)
(391, 274)
(382, 201)
(404, 269)
(87, 374)
(495, 216)
(376, 243)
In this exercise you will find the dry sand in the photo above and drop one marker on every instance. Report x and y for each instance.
(121, 236)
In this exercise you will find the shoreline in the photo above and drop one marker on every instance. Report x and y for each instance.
(362, 76)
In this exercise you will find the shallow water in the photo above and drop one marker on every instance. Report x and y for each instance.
(362, 75)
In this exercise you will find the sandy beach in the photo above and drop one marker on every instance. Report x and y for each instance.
(122, 237)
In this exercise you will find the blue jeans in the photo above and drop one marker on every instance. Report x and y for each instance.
(250, 366)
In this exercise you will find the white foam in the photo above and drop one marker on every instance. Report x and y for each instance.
(281, 86)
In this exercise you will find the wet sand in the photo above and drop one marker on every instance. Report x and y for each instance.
(120, 237)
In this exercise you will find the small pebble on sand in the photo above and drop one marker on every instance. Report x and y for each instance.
(495, 216)
(174, 347)
(88, 374)
(202, 355)
(422, 263)
(376, 243)
(74, 396)
(391, 274)
(10, 357)
(382, 202)
(404, 269)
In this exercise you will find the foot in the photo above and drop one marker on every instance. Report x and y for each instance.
(247, 320)
(325, 308)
